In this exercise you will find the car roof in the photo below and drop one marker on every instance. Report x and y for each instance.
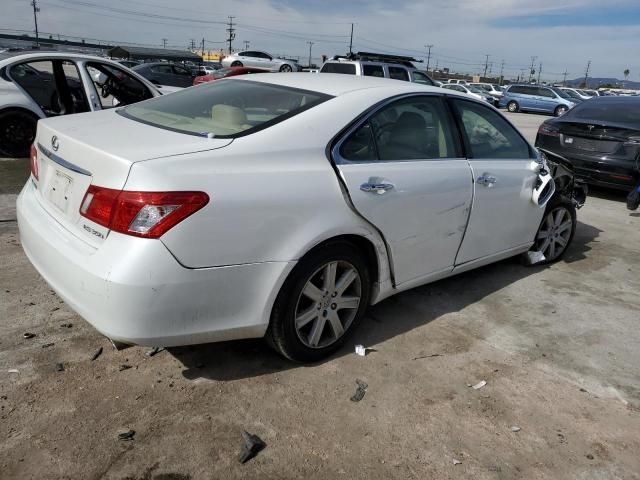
(336, 84)
(14, 56)
(370, 62)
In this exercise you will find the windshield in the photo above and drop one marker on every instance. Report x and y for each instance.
(226, 108)
(571, 93)
(475, 90)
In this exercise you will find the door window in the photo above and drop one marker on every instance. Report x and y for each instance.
(415, 128)
(116, 87)
(398, 73)
(55, 85)
(421, 78)
(373, 71)
(162, 69)
(181, 71)
(262, 55)
(489, 135)
(545, 92)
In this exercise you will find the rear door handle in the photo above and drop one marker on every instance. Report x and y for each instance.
(487, 180)
(379, 188)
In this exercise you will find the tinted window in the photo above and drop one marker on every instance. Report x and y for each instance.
(181, 71)
(421, 78)
(489, 135)
(225, 108)
(409, 129)
(398, 73)
(346, 68)
(262, 55)
(626, 111)
(545, 92)
(161, 69)
(373, 71)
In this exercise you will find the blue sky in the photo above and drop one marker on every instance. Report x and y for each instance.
(562, 35)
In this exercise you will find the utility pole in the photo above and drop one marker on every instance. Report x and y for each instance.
(232, 34)
(586, 74)
(202, 52)
(501, 72)
(351, 41)
(310, 45)
(531, 70)
(486, 65)
(490, 67)
(436, 69)
(164, 42)
(193, 44)
(36, 9)
(428, 47)
(246, 44)
(539, 72)
(564, 78)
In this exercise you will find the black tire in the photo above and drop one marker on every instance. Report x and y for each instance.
(17, 132)
(560, 110)
(552, 207)
(513, 107)
(282, 334)
(286, 68)
(236, 64)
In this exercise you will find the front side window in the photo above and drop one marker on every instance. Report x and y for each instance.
(116, 87)
(181, 71)
(490, 136)
(225, 108)
(398, 73)
(415, 128)
(373, 71)
(161, 69)
(344, 68)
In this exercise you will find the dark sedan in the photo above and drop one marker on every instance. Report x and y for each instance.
(162, 73)
(601, 138)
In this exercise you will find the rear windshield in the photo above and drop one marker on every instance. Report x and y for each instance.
(348, 68)
(608, 112)
(225, 109)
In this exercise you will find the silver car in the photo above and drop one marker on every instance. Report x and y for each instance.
(261, 60)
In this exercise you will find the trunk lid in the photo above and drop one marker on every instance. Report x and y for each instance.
(98, 148)
(595, 137)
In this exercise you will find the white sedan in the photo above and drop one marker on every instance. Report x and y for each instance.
(279, 206)
(473, 92)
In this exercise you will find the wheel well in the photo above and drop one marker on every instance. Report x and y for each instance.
(19, 109)
(363, 245)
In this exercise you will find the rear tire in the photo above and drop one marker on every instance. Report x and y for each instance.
(513, 107)
(286, 68)
(556, 231)
(313, 317)
(17, 132)
(560, 110)
(236, 64)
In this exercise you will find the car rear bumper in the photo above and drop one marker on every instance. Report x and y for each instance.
(134, 291)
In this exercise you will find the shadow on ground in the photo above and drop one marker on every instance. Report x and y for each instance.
(392, 317)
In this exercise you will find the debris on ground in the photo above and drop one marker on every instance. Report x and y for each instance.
(28, 335)
(495, 468)
(515, 428)
(590, 457)
(360, 350)
(360, 391)
(253, 444)
(59, 367)
(153, 351)
(47, 345)
(123, 367)
(583, 390)
(66, 325)
(427, 356)
(126, 436)
(456, 461)
(96, 354)
(533, 258)
(13, 370)
(479, 385)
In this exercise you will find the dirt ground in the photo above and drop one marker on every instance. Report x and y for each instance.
(557, 346)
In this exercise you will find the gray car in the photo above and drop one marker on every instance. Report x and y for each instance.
(252, 58)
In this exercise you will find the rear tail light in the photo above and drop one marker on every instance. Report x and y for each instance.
(33, 156)
(142, 214)
(548, 129)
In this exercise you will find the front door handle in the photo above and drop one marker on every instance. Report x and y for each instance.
(379, 188)
(487, 180)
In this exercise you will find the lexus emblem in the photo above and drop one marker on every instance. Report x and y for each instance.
(54, 143)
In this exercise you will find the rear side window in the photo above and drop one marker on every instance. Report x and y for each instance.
(422, 79)
(373, 71)
(398, 73)
(346, 68)
(415, 128)
(161, 69)
(545, 92)
(225, 108)
(489, 135)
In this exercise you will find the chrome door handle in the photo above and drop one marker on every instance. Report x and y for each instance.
(487, 180)
(379, 188)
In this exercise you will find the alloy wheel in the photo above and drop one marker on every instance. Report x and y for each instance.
(555, 233)
(328, 304)
(512, 107)
(286, 68)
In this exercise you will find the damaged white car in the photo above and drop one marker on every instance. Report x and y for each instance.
(280, 206)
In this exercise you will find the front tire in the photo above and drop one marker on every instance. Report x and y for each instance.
(513, 107)
(320, 304)
(17, 132)
(286, 68)
(560, 110)
(556, 231)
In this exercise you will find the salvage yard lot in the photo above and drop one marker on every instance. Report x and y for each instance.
(556, 345)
